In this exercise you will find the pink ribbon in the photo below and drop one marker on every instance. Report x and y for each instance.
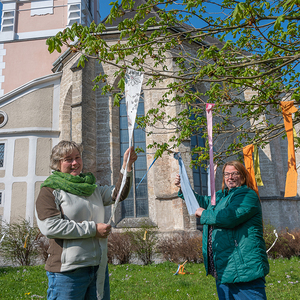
(209, 107)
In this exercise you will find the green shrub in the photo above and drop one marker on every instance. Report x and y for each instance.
(20, 242)
(144, 242)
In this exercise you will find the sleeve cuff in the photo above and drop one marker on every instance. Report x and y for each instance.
(129, 174)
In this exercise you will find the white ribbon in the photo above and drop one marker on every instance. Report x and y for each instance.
(133, 86)
(209, 107)
(274, 241)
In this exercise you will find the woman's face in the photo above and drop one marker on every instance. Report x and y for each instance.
(71, 163)
(232, 177)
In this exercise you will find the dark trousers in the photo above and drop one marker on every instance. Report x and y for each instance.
(252, 290)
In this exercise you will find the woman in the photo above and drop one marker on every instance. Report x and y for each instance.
(234, 250)
(70, 212)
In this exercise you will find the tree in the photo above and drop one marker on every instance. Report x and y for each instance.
(238, 46)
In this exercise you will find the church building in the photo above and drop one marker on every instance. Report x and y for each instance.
(45, 98)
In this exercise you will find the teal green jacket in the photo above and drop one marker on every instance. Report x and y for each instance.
(239, 250)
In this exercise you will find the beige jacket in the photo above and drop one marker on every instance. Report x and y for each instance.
(69, 221)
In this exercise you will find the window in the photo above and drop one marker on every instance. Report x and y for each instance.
(3, 118)
(1, 198)
(199, 174)
(2, 148)
(136, 204)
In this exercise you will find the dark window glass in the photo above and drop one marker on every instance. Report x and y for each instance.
(199, 173)
(2, 155)
(136, 204)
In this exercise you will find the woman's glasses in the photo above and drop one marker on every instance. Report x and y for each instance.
(233, 174)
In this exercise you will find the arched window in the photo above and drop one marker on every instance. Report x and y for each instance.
(136, 204)
(199, 173)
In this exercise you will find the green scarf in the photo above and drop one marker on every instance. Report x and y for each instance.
(81, 185)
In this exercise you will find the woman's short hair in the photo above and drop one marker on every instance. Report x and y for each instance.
(245, 176)
(62, 149)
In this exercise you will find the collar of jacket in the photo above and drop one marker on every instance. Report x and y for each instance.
(227, 191)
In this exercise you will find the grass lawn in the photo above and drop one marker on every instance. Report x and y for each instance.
(153, 282)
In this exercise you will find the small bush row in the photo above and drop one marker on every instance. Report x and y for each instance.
(23, 244)
(287, 244)
(146, 242)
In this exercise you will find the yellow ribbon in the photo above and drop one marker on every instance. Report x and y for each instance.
(145, 234)
(294, 132)
(257, 167)
(291, 235)
(25, 244)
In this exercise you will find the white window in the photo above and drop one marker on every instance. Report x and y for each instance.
(41, 7)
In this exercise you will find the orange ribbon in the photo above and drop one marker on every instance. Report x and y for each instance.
(247, 151)
(291, 177)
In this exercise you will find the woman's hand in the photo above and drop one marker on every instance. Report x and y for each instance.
(199, 212)
(177, 181)
(103, 230)
(132, 159)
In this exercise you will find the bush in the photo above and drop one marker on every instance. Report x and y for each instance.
(20, 242)
(119, 247)
(182, 247)
(287, 244)
(42, 245)
(144, 242)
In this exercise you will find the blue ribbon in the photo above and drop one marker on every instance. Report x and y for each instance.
(146, 172)
(187, 191)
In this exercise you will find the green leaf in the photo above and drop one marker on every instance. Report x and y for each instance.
(279, 20)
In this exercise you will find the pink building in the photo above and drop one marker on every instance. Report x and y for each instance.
(25, 27)
(30, 93)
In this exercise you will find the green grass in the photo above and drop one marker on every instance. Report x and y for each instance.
(155, 282)
(23, 283)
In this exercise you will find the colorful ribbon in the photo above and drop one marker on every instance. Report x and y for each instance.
(291, 177)
(188, 194)
(257, 167)
(208, 175)
(209, 107)
(247, 151)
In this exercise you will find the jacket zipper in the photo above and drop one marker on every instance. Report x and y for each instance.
(213, 260)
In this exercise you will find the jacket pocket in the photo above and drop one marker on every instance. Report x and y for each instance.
(237, 247)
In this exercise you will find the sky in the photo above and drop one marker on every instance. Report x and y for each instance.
(104, 8)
